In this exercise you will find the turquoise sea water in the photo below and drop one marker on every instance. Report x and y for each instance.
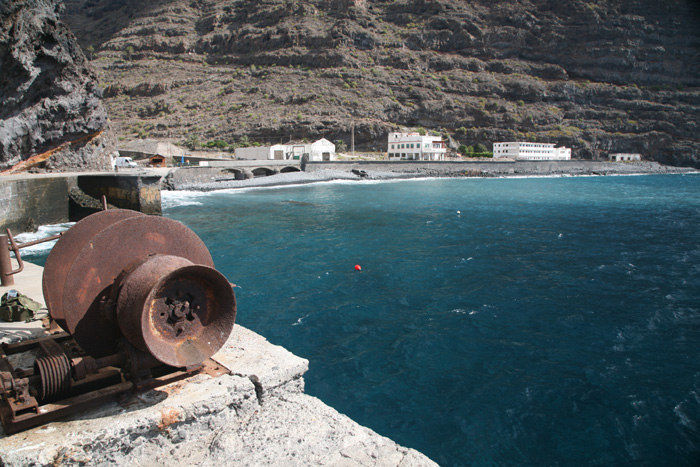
(530, 321)
(494, 321)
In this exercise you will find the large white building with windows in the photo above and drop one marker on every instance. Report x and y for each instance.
(414, 146)
(530, 152)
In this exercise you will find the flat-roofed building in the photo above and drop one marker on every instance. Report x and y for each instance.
(620, 157)
(414, 146)
(530, 151)
(321, 150)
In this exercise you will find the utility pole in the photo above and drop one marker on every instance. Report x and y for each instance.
(352, 140)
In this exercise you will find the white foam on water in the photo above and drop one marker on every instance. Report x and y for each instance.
(172, 199)
(42, 232)
(300, 320)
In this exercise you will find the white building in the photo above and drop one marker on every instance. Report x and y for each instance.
(619, 157)
(321, 150)
(413, 146)
(530, 152)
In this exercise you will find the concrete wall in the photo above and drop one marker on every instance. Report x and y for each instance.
(125, 191)
(29, 201)
(488, 168)
(250, 163)
(255, 153)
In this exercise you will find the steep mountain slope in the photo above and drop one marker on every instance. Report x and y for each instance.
(51, 108)
(599, 76)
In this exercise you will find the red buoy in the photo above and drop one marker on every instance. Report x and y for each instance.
(358, 267)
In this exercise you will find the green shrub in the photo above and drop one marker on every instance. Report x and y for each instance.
(465, 150)
(192, 142)
(217, 143)
(340, 145)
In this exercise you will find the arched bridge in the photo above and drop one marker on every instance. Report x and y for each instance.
(244, 169)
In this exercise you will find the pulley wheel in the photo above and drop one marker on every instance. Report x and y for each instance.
(103, 258)
(62, 255)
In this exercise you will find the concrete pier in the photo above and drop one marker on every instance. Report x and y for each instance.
(258, 415)
(30, 200)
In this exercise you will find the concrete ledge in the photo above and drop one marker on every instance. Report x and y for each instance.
(214, 421)
(257, 416)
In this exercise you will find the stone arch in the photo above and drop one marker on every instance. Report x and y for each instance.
(238, 174)
(290, 168)
(263, 172)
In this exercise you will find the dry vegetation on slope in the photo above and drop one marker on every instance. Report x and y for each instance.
(599, 76)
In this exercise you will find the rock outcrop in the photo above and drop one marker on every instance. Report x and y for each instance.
(52, 114)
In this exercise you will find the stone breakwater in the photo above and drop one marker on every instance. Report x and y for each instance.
(210, 178)
(498, 168)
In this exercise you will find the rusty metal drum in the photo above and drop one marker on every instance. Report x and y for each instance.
(63, 254)
(172, 309)
(93, 262)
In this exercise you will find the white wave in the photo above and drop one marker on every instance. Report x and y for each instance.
(172, 199)
(42, 232)
(302, 183)
(683, 418)
(300, 320)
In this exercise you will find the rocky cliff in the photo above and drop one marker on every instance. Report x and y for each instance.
(599, 76)
(52, 114)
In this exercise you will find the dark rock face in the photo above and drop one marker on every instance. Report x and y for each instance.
(598, 76)
(51, 106)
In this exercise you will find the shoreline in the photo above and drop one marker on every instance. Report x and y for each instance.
(335, 174)
(31, 200)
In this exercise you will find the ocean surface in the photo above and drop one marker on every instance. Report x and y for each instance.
(528, 322)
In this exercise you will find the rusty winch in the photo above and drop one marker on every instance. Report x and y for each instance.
(140, 304)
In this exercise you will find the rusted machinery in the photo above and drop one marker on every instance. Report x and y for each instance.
(140, 303)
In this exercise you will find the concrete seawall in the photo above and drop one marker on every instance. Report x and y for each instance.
(27, 201)
(497, 168)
